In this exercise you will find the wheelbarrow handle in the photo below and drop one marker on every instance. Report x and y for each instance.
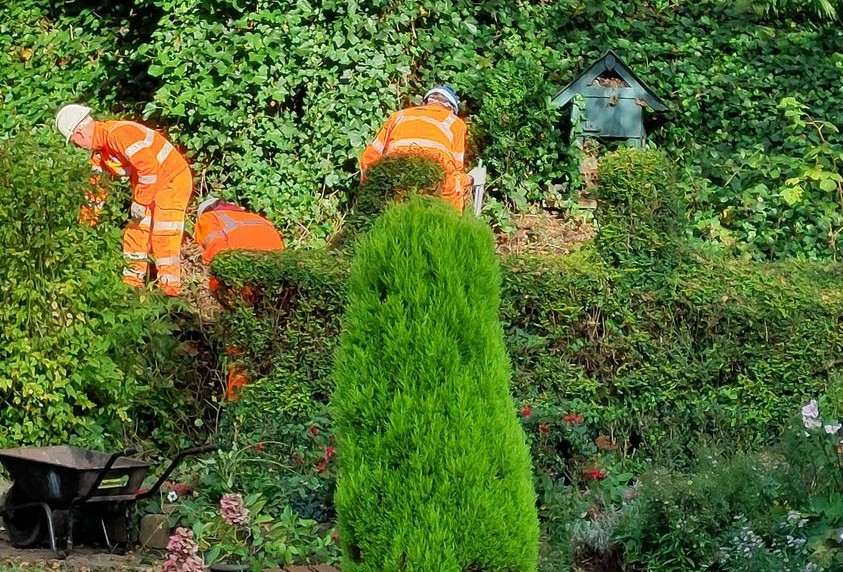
(175, 463)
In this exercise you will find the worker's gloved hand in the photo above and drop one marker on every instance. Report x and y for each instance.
(478, 176)
(138, 211)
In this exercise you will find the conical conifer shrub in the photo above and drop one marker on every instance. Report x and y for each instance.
(434, 471)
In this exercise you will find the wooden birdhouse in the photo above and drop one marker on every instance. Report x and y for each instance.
(611, 103)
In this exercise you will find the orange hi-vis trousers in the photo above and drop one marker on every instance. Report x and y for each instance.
(159, 233)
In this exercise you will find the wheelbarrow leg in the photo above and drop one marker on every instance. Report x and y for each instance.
(71, 516)
(105, 535)
(51, 531)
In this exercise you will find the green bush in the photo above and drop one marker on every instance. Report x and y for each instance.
(56, 53)
(640, 211)
(714, 345)
(82, 356)
(393, 177)
(775, 509)
(434, 473)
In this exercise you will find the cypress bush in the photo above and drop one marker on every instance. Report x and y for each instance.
(434, 472)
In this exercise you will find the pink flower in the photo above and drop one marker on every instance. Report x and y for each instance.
(233, 509)
(182, 553)
(194, 564)
(181, 543)
(573, 419)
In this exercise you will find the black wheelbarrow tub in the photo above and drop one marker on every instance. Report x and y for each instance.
(58, 475)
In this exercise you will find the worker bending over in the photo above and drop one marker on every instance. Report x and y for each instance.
(433, 129)
(161, 184)
(222, 226)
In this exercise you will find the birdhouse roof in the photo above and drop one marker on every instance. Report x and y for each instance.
(609, 64)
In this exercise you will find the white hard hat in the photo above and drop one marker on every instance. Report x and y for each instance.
(70, 117)
(205, 205)
(447, 93)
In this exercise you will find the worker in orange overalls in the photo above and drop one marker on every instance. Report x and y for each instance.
(432, 128)
(161, 183)
(221, 226)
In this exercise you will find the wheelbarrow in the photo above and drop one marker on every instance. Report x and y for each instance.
(66, 493)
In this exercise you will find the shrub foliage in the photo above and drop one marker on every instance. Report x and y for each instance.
(434, 471)
(81, 356)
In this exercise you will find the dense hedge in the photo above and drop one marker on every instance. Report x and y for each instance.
(726, 344)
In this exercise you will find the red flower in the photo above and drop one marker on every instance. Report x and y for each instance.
(321, 467)
(335, 536)
(573, 418)
(213, 283)
(544, 427)
(182, 489)
(330, 452)
(233, 351)
(527, 411)
(594, 474)
(249, 293)
(313, 430)
(260, 447)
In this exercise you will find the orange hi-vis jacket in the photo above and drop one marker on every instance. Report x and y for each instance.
(162, 185)
(129, 149)
(433, 130)
(232, 228)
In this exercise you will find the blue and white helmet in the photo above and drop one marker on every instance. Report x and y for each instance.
(447, 93)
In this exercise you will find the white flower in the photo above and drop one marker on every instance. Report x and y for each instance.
(838, 535)
(172, 496)
(832, 429)
(811, 415)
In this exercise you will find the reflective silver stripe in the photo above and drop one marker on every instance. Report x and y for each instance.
(378, 146)
(169, 260)
(133, 273)
(212, 236)
(169, 279)
(443, 126)
(145, 222)
(167, 226)
(135, 255)
(459, 156)
(228, 225)
(164, 152)
(423, 143)
(138, 145)
(147, 179)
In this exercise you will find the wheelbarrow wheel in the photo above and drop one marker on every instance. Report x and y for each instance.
(26, 527)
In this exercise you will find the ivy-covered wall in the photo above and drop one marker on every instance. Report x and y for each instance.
(275, 99)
